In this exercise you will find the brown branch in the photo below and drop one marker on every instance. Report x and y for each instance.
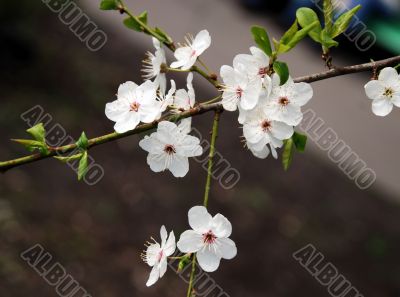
(339, 71)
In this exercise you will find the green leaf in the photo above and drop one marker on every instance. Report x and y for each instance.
(307, 16)
(327, 41)
(300, 141)
(82, 142)
(38, 132)
(297, 37)
(69, 158)
(183, 262)
(289, 34)
(343, 21)
(262, 40)
(163, 34)
(31, 145)
(133, 24)
(328, 15)
(143, 17)
(287, 154)
(83, 164)
(109, 5)
(282, 69)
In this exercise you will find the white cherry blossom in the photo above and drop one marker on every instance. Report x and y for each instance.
(239, 89)
(185, 99)
(154, 66)
(255, 65)
(170, 147)
(187, 55)
(384, 92)
(209, 238)
(134, 104)
(168, 98)
(260, 131)
(156, 255)
(285, 102)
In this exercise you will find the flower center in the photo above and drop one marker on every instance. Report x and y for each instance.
(389, 92)
(169, 149)
(239, 92)
(209, 237)
(160, 255)
(283, 101)
(134, 106)
(193, 53)
(266, 125)
(263, 71)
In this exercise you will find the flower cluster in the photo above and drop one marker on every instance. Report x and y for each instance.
(268, 110)
(208, 238)
(384, 92)
(170, 146)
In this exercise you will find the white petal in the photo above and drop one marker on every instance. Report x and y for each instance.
(250, 97)
(281, 130)
(199, 219)
(163, 235)
(189, 63)
(151, 144)
(182, 99)
(229, 101)
(396, 99)
(201, 42)
(152, 254)
(221, 226)
(291, 115)
(374, 89)
(190, 242)
(185, 126)
(182, 55)
(116, 110)
(170, 245)
(226, 248)
(126, 88)
(261, 154)
(154, 276)
(156, 43)
(166, 132)
(189, 147)
(389, 75)
(191, 93)
(157, 162)
(179, 165)
(128, 122)
(163, 267)
(304, 93)
(382, 107)
(228, 75)
(260, 55)
(208, 260)
(253, 132)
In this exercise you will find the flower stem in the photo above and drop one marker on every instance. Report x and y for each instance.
(214, 135)
(178, 70)
(216, 98)
(204, 65)
(190, 288)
